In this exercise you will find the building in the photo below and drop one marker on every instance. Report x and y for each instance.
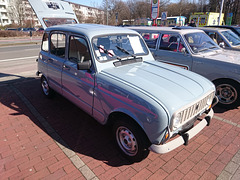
(26, 15)
(4, 19)
(86, 14)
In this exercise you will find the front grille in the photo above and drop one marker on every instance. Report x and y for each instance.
(194, 110)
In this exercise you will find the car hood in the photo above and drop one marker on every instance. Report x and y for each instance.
(223, 55)
(171, 86)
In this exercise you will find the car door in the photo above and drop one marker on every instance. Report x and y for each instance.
(56, 59)
(172, 50)
(78, 85)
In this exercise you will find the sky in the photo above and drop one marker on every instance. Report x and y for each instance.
(91, 3)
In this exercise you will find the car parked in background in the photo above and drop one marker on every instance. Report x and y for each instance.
(235, 29)
(110, 74)
(192, 49)
(225, 38)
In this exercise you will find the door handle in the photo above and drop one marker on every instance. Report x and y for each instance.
(66, 67)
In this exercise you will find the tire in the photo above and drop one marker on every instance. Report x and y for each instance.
(131, 140)
(228, 93)
(47, 91)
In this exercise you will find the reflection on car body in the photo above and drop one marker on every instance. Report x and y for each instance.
(192, 49)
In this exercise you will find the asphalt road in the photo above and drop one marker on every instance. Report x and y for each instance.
(18, 62)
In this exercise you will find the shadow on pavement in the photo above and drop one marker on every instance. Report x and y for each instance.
(83, 134)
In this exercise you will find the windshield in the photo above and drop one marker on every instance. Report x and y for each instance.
(231, 37)
(238, 30)
(200, 42)
(58, 21)
(118, 47)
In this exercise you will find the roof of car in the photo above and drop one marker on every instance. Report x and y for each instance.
(90, 30)
(213, 29)
(180, 30)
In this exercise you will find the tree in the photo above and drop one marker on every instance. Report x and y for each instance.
(16, 11)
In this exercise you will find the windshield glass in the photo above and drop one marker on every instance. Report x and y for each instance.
(200, 42)
(238, 30)
(118, 47)
(58, 21)
(231, 37)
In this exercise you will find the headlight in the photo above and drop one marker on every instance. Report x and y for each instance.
(177, 121)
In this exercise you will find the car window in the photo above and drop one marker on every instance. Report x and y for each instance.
(118, 46)
(78, 50)
(150, 39)
(171, 42)
(199, 42)
(231, 37)
(215, 37)
(44, 46)
(58, 44)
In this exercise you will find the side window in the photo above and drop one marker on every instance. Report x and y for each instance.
(78, 50)
(150, 39)
(169, 42)
(58, 45)
(44, 46)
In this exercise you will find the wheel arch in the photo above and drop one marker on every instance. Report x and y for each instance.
(114, 116)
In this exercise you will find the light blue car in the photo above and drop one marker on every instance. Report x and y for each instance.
(110, 74)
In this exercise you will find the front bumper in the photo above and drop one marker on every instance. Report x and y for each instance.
(165, 148)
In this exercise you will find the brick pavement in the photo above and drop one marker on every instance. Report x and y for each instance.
(53, 139)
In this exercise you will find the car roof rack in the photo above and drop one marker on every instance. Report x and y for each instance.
(183, 27)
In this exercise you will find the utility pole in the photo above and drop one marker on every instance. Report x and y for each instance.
(107, 10)
(220, 14)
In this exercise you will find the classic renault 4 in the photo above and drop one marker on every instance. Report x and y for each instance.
(110, 74)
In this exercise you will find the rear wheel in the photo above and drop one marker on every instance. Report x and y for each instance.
(47, 91)
(131, 140)
(227, 92)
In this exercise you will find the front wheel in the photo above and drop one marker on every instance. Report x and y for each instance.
(131, 140)
(227, 92)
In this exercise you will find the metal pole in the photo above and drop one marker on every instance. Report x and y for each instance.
(107, 10)
(219, 20)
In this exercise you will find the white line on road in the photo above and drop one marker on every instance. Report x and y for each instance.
(15, 59)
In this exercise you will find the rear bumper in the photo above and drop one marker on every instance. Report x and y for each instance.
(165, 148)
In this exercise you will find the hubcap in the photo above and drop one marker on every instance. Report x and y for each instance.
(127, 141)
(45, 87)
(226, 93)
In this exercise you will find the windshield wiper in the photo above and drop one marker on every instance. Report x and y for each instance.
(107, 52)
(125, 51)
(204, 49)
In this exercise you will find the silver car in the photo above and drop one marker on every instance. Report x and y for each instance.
(110, 74)
(225, 38)
(192, 49)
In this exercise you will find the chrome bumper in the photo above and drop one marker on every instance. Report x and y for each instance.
(165, 148)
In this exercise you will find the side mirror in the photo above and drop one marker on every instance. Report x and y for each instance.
(222, 45)
(85, 65)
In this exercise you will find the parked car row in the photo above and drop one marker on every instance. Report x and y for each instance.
(25, 29)
(110, 73)
(193, 50)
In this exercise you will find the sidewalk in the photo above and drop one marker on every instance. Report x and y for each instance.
(8, 41)
(53, 139)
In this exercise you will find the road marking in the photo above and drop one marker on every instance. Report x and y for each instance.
(74, 158)
(16, 59)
